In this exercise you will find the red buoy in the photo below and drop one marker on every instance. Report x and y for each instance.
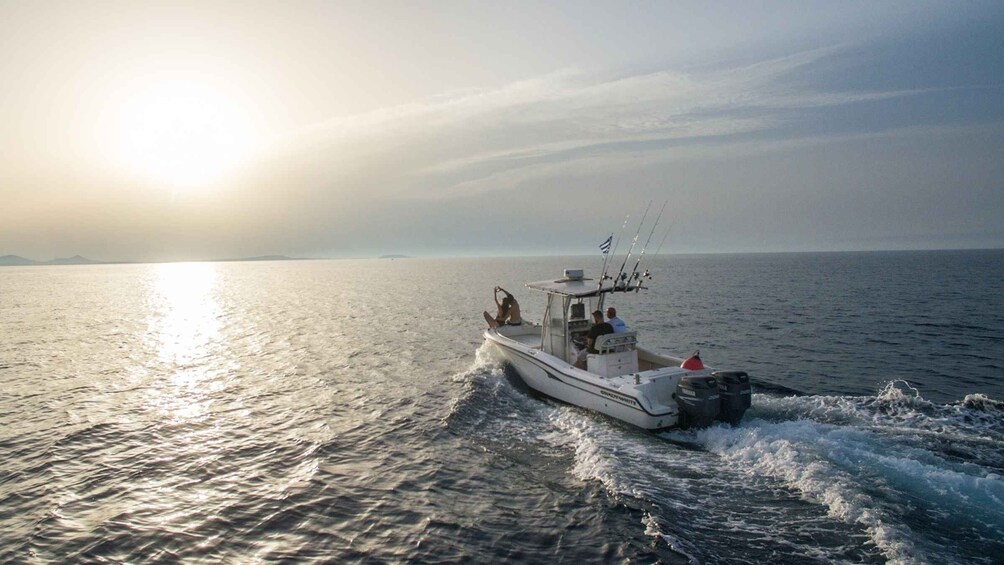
(693, 363)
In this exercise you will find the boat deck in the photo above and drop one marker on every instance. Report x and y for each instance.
(529, 340)
(648, 362)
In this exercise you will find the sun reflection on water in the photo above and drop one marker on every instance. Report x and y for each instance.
(185, 333)
(186, 320)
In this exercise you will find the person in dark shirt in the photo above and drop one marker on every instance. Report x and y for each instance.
(599, 328)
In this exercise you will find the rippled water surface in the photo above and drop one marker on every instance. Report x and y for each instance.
(349, 411)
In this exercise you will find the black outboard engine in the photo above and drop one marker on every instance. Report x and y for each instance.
(736, 392)
(698, 400)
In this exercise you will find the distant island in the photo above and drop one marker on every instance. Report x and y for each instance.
(395, 257)
(15, 260)
(262, 258)
(18, 261)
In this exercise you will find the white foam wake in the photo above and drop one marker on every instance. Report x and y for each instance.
(874, 463)
(868, 461)
(814, 459)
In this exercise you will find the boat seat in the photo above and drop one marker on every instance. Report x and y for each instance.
(616, 342)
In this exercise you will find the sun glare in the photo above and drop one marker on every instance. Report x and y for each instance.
(183, 133)
(187, 321)
(185, 331)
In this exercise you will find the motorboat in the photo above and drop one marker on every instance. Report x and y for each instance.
(622, 379)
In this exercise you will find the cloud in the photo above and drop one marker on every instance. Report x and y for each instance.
(484, 141)
(397, 179)
(488, 170)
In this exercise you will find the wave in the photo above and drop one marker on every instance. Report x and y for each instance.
(883, 463)
(891, 477)
(966, 431)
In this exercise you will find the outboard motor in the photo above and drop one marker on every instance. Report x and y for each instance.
(736, 392)
(698, 400)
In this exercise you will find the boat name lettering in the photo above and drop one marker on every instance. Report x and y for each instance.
(618, 397)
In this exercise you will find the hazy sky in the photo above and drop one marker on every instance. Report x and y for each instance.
(192, 130)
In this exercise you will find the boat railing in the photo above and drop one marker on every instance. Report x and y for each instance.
(616, 342)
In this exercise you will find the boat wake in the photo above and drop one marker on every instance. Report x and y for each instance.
(894, 464)
(885, 478)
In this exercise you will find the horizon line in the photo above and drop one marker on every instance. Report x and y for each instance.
(275, 258)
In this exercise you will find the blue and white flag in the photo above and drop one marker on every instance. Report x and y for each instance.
(605, 246)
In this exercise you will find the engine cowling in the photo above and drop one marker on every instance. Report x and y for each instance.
(736, 395)
(698, 400)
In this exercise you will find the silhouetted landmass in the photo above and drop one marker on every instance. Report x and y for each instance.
(15, 260)
(75, 260)
(263, 258)
(18, 261)
(395, 257)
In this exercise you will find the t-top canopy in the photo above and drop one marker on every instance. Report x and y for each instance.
(577, 286)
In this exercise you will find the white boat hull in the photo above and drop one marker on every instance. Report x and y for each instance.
(616, 377)
(645, 399)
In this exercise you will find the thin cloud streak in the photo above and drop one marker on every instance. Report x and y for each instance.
(387, 180)
(818, 148)
(564, 115)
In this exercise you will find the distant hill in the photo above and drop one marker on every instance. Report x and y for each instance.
(263, 258)
(14, 260)
(395, 257)
(75, 260)
(18, 261)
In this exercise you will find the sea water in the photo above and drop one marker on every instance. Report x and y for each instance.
(349, 411)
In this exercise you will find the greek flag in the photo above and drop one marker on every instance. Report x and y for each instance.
(605, 246)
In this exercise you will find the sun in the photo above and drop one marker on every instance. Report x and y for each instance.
(184, 134)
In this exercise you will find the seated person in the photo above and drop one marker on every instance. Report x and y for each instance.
(508, 309)
(616, 323)
(599, 328)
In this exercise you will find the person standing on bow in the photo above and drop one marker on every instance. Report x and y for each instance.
(616, 323)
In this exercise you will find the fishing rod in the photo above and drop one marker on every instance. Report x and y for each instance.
(646, 274)
(634, 242)
(634, 272)
(671, 224)
(603, 273)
